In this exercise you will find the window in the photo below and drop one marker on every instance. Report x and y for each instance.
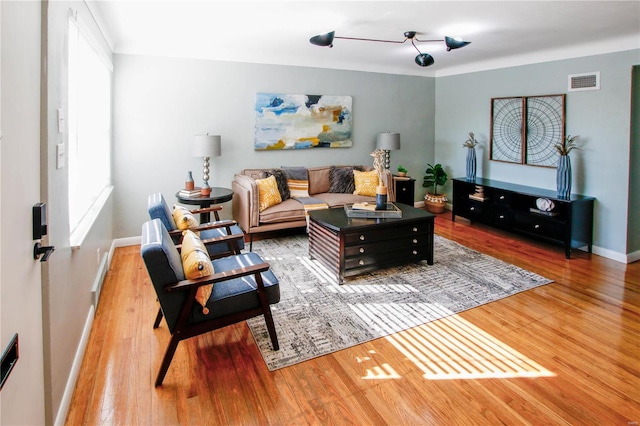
(89, 121)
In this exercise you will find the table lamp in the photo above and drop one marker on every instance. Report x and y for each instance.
(206, 146)
(387, 142)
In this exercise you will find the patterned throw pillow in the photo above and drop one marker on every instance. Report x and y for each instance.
(268, 192)
(196, 264)
(365, 182)
(297, 180)
(183, 218)
(281, 180)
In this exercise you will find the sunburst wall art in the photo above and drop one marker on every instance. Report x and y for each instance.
(525, 129)
(302, 121)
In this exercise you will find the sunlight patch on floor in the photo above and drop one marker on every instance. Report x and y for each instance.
(453, 348)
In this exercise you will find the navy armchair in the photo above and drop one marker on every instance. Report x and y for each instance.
(243, 287)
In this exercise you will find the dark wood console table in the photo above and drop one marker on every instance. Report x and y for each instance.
(513, 207)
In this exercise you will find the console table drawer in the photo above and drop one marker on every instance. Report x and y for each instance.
(501, 197)
(501, 215)
(540, 226)
(475, 208)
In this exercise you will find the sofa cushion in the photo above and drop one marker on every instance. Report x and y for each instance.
(339, 200)
(365, 182)
(287, 211)
(268, 192)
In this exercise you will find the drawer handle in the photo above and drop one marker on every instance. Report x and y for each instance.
(415, 229)
(361, 262)
(361, 249)
(537, 226)
(361, 237)
(501, 216)
(404, 189)
(415, 252)
(415, 241)
(472, 208)
(502, 197)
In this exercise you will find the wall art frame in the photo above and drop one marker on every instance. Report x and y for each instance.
(289, 121)
(526, 129)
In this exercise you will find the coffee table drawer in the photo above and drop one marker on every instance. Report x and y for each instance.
(384, 234)
(372, 260)
(390, 245)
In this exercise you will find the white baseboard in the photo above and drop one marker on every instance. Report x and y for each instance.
(633, 257)
(61, 416)
(124, 242)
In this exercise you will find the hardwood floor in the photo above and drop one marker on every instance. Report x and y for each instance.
(564, 354)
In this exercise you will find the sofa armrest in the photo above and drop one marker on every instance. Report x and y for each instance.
(245, 202)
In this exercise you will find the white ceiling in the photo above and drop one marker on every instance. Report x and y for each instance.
(502, 33)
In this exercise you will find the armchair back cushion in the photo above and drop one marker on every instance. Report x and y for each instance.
(164, 265)
(158, 208)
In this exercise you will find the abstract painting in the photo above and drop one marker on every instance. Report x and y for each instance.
(302, 121)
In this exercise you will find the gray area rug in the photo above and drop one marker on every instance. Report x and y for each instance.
(317, 316)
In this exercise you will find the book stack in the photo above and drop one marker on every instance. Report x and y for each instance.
(479, 194)
(195, 192)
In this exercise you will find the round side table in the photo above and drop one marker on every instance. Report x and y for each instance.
(217, 196)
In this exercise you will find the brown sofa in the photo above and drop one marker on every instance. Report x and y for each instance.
(289, 213)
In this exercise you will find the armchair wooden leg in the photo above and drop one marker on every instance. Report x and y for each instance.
(266, 311)
(271, 327)
(166, 361)
(156, 324)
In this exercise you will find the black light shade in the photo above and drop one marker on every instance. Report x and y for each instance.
(424, 60)
(452, 43)
(323, 40)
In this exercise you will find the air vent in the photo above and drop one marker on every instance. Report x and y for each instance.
(584, 81)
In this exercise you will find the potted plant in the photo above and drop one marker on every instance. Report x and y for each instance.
(435, 176)
(402, 171)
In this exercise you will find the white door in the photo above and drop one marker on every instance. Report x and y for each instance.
(22, 397)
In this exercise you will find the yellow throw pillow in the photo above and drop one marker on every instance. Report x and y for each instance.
(191, 242)
(183, 218)
(365, 182)
(197, 264)
(268, 192)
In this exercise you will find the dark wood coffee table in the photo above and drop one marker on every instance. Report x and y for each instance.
(352, 246)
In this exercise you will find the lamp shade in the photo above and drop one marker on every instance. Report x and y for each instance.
(207, 146)
(388, 141)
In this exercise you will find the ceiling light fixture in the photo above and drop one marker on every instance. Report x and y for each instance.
(423, 59)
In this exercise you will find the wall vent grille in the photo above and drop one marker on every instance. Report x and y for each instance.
(584, 81)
